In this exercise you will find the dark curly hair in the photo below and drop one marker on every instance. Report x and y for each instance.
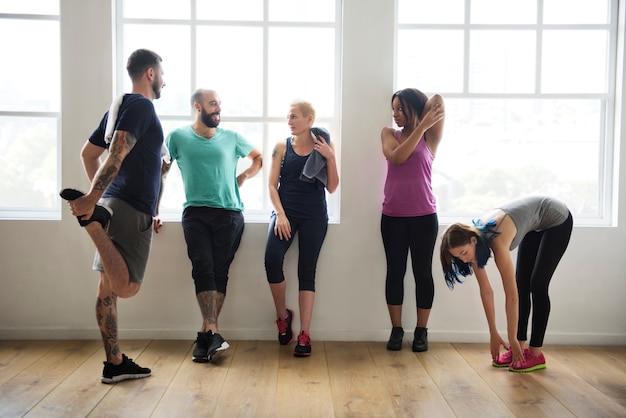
(411, 98)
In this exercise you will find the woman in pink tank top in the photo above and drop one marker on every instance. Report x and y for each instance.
(409, 214)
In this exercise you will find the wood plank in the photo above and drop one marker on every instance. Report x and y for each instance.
(249, 389)
(82, 390)
(195, 389)
(410, 388)
(358, 388)
(303, 386)
(25, 390)
(139, 397)
(521, 394)
(580, 397)
(460, 384)
(341, 379)
(600, 371)
(16, 356)
(616, 354)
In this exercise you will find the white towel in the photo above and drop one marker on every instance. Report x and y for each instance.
(113, 110)
(112, 120)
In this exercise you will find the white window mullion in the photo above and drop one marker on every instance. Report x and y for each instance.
(466, 46)
(539, 51)
(266, 139)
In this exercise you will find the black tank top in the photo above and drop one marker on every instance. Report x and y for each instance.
(300, 199)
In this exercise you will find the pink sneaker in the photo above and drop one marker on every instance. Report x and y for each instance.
(530, 363)
(505, 359)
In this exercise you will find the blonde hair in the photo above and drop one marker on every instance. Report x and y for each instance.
(305, 107)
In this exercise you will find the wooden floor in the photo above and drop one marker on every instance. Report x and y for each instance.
(340, 379)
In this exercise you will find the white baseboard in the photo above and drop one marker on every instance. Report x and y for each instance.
(319, 335)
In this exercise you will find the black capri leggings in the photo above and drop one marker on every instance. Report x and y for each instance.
(311, 234)
(213, 236)
(538, 255)
(417, 233)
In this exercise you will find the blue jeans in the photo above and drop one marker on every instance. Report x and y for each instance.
(213, 236)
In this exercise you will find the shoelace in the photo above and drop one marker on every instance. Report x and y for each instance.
(303, 339)
(282, 325)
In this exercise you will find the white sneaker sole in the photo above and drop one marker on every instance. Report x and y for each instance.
(121, 377)
(221, 348)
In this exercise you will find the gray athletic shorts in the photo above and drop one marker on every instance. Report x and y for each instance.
(131, 232)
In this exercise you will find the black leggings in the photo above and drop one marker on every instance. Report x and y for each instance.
(311, 234)
(417, 233)
(538, 255)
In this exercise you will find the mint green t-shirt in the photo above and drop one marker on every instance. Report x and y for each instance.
(209, 166)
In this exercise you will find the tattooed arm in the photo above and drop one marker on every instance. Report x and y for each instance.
(165, 169)
(102, 173)
(157, 223)
(282, 227)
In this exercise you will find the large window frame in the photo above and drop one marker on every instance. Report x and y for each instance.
(268, 121)
(607, 102)
(31, 171)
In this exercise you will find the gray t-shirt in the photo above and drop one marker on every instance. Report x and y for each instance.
(534, 213)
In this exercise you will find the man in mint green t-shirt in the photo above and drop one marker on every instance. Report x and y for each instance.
(212, 220)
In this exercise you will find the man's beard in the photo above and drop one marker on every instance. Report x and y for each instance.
(207, 119)
(156, 89)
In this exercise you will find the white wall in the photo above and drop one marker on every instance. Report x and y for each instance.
(48, 289)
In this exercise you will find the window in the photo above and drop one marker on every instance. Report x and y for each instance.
(258, 55)
(30, 101)
(530, 97)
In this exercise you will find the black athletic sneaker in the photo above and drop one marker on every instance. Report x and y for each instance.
(420, 341)
(216, 344)
(395, 340)
(303, 348)
(201, 351)
(101, 213)
(285, 333)
(128, 369)
(71, 194)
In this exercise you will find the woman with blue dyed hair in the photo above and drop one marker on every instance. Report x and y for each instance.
(541, 226)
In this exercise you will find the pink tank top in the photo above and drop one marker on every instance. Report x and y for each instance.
(408, 187)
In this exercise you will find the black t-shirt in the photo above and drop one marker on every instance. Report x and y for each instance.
(139, 178)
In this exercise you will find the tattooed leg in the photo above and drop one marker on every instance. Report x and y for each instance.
(106, 315)
(210, 303)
